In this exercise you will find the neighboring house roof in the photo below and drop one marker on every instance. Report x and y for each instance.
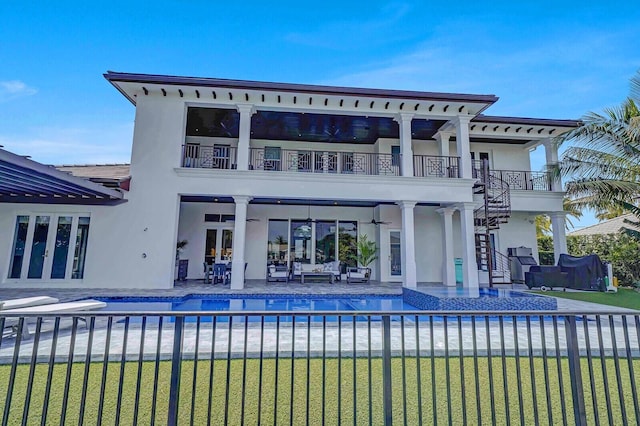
(611, 226)
(109, 175)
(23, 180)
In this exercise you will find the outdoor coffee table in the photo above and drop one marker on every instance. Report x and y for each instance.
(316, 275)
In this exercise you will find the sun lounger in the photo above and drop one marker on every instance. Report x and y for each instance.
(50, 310)
(26, 302)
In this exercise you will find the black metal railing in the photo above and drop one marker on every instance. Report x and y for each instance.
(334, 162)
(315, 367)
(516, 179)
(436, 166)
(208, 156)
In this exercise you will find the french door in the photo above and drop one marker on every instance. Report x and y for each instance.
(218, 245)
(49, 246)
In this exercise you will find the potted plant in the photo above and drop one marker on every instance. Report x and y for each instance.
(367, 253)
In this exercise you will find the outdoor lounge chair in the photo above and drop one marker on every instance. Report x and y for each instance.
(25, 302)
(277, 273)
(49, 310)
(358, 275)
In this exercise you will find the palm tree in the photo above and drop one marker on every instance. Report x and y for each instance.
(602, 164)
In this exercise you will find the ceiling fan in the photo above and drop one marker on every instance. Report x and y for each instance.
(309, 219)
(376, 222)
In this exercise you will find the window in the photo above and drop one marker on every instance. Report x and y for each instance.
(61, 250)
(395, 155)
(325, 241)
(272, 159)
(278, 242)
(19, 242)
(347, 242)
(220, 158)
(300, 241)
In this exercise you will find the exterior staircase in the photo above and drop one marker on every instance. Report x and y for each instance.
(496, 210)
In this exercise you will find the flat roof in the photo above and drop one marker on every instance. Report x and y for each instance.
(23, 180)
(113, 77)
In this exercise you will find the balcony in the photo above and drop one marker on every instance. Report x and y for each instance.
(324, 162)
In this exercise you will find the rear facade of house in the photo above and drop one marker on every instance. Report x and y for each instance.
(258, 174)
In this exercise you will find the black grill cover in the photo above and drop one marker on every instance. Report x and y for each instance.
(585, 273)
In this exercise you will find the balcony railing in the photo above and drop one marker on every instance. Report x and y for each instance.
(208, 157)
(436, 166)
(518, 180)
(361, 367)
(332, 162)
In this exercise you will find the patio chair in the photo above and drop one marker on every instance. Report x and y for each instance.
(208, 272)
(358, 275)
(220, 274)
(277, 273)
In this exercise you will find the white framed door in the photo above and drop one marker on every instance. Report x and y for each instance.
(218, 244)
(45, 247)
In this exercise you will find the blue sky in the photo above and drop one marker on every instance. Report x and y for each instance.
(546, 59)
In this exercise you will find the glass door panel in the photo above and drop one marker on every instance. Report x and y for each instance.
(394, 254)
(19, 244)
(325, 241)
(79, 255)
(300, 241)
(61, 249)
(226, 251)
(38, 247)
(210, 246)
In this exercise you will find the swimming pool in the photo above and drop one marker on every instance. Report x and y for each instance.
(270, 303)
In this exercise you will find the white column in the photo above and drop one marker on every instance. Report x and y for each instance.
(244, 134)
(559, 234)
(470, 267)
(443, 139)
(408, 245)
(551, 153)
(239, 239)
(406, 149)
(462, 145)
(448, 266)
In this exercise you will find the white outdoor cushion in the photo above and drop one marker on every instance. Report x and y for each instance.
(25, 302)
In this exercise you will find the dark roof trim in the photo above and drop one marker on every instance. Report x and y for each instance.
(25, 180)
(114, 77)
(524, 120)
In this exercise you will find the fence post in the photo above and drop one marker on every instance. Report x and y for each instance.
(575, 372)
(176, 364)
(386, 370)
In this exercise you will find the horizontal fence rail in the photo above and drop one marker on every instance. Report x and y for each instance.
(436, 166)
(359, 163)
(320, 368)
(208, 157)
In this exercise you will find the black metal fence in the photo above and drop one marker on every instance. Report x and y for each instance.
(320, 368)
(436, 166)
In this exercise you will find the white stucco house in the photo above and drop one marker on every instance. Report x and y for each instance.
(257, 174)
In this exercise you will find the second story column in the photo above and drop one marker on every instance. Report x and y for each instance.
(244, 134)
(239, 241)
(558, 226)
(551, 154)
(406, 149)
(443, 139)
(408, 245)
(462, 145)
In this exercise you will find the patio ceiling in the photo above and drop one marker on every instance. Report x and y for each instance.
(290, 201)
(25, 181)
(310, 127)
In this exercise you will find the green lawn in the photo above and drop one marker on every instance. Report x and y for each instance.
(624, 298)
(339, 400)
